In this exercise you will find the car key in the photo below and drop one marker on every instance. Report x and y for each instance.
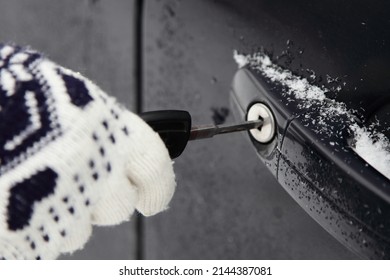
(174, 128)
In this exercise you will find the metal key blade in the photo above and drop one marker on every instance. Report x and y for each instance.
(208, 131)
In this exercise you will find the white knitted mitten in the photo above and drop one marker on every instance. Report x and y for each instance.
(70, 157)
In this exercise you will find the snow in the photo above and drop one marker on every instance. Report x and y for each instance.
(240, 59)
(299, 87)
(375, 152)
(372, 146)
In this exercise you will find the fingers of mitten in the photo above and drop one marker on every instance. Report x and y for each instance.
(117, 202)
(75, 235)
(10, 250)
(150, 169)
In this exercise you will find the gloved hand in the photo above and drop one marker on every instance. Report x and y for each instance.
(70, 157)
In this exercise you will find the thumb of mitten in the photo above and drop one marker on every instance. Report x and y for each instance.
(150, 169)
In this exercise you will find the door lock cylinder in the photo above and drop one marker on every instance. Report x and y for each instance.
(267, 131)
